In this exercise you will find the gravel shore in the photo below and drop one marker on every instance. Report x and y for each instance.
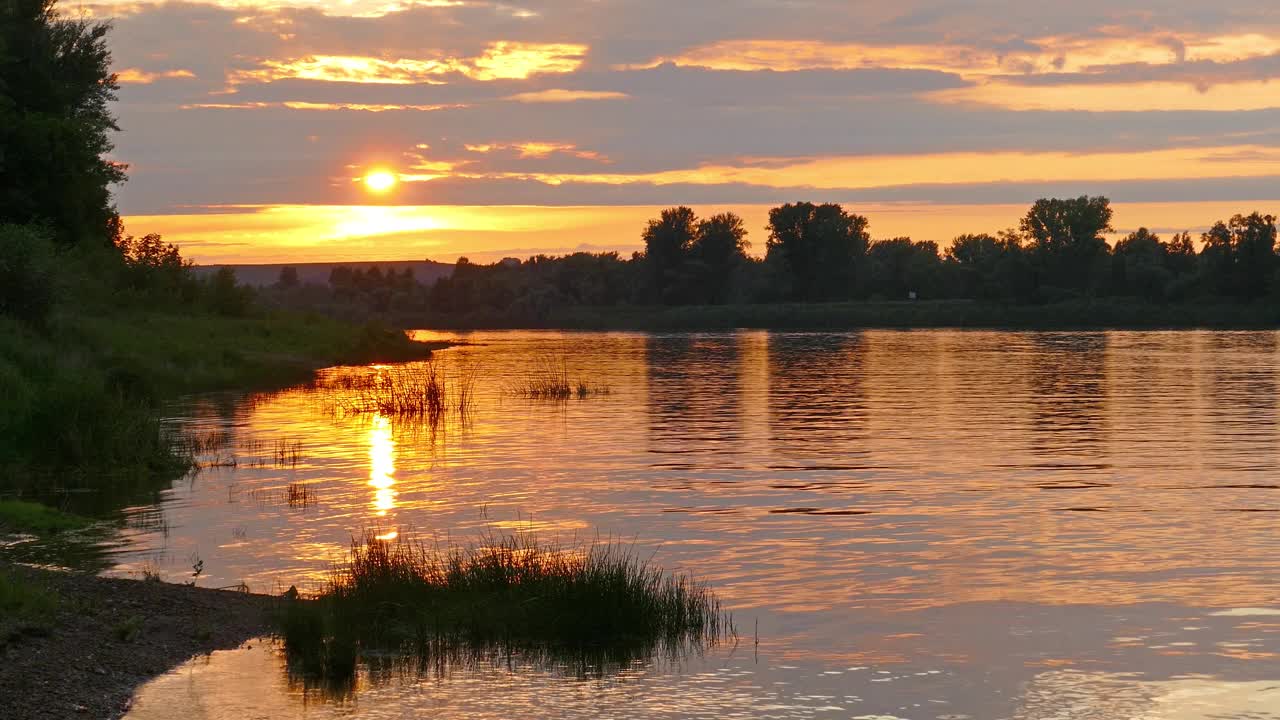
(111, 635)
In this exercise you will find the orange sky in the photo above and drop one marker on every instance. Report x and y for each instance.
(301, 233)
(516, 128)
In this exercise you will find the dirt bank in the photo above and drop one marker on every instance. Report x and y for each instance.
(108, 636)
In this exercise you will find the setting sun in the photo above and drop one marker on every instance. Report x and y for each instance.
(380, 180)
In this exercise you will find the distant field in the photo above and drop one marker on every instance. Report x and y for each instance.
(425, 271)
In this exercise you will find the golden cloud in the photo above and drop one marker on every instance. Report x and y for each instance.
(873, 171)
(1116, 97)
(560, 96)
(500, 60)
(301, 105)
(534, 149)
(135, 76)
(1048, 54)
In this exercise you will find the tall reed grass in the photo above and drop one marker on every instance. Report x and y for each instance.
(548, 378)
(594, 606)
(421, 389)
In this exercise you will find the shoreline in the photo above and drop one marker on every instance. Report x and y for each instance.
(109, 636)
(106, 637)
(1078, 315)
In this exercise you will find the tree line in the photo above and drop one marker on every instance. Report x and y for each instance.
(824, 253)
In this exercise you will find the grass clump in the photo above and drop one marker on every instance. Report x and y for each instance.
(26, 608)
(596, 606)
(23, 516)
(549, 379)
(421, 389)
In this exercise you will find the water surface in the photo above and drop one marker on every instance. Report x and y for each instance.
(926, 524)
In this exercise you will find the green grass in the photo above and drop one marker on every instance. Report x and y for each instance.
(25, 607)
(596, 606)
(23, 516)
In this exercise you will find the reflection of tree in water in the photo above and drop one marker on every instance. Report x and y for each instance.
(1069, 399)
(695, 394)
(817, 407)
(1242, 388)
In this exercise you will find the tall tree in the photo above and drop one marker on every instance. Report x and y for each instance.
(1139, 265)
(1254, 243)
(1066, 237)
(719, 248)
(55, 122)
(667, 241)
(820, 245)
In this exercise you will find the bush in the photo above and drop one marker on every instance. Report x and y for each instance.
(27, 281)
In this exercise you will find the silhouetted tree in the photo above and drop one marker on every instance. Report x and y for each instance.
(288, 277)
(1066, 237)
(898, 267)
(55, 88)
(1238, 257)
(1139, 265)
(667, 241)
(1217, 259)
(820, 246)
(1254, 241)
(719, 249)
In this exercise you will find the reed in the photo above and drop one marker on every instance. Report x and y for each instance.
(288, 452)
(549, 379)
(597, 605)
(415, 390)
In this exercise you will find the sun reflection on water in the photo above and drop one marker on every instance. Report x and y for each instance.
(382, 465)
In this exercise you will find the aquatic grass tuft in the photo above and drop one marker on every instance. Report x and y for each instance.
(549, 379)
(597, 606)
(288, 452)
(421, 389)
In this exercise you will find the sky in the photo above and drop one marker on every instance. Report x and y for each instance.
(521, 127)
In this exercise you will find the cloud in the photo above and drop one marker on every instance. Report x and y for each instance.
(135, 76)
(559, 95)
(500, 61)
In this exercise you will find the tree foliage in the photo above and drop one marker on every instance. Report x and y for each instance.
(820, 247)
(56, 87)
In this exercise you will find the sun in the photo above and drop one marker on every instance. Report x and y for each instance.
(380, 181)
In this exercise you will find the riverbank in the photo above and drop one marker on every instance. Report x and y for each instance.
(1119, 314)
(97, 639)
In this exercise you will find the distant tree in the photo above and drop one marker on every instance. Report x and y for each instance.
(1066, 238)
(55, 123)
(288, 277)
(1254, 241)
(667, 241)
(1238, 257)
(153, 266)
(898, 267)
(820, 246)
(1180, 254)
(226, 296)
(719, 248)
(1217, 259)
(1139, 265)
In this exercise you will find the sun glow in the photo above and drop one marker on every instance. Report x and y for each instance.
(382, 465)
(380, 181)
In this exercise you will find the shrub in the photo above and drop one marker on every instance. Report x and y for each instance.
(27, 281)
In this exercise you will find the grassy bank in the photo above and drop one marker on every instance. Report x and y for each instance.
(1115, 313)
(590, 608)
